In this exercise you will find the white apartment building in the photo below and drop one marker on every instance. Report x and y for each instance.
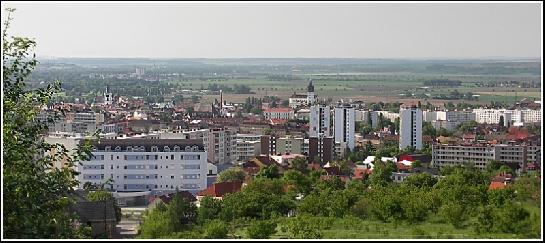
(410, 127)
(219, 143)
(447, 119)
(345, 125)
(320, 118)
(248, 146)
(491, 116)
(279, 113)
(481, 154)
(155, 165)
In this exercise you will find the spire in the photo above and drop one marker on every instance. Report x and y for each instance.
(310, 87)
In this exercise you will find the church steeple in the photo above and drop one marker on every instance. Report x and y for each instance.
(310, 87)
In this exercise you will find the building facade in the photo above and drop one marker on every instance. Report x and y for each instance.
(345, 125)
(279, 113)
(320, 121)
(410, 127)
(146, 165)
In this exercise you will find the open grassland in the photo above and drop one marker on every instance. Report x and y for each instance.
(371, 87)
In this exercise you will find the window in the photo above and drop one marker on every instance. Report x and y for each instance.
(129, 149)
(171, 177)
(154, 149)
(117, 148)
(166, 149)
(172, 157)
(177, 148)
(125, 167)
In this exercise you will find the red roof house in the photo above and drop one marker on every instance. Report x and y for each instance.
(218, 190)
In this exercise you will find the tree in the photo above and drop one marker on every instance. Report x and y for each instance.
(231, 174)
(181, 213)
(511, 218)
(209, 209)
(502, 121)
(155, 225)
(102, 195)
(420, 180)
(428, 129)
(382, 173)
(454, 214)
(216, 229)
(298, 180)
(300, 164)
(270, 172)
(303, 228)
(36, 194)
(261, 230)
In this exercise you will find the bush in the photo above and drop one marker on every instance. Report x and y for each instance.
(261, 230)
(303, 228)
(216, 229)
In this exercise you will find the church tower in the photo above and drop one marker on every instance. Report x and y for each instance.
(108, 97)
(311, 98)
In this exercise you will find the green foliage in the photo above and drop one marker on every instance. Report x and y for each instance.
(215, 229)
(428, 129)
(453, 213)
(270, 172)
(511, 218)
(382, 173)
(297, 179)
(302, 227)
(102, 195)
(37, 194)
(155, 225)
(300, 164)
(260, 199)
(261, 230)
(209, 209)
(181, 213)
(528, 187)
(231, 174)
(420, 180)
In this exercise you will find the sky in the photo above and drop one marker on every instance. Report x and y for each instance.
(280, 29)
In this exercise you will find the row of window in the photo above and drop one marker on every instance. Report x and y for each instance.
(149, 157)
(142, 167)
(153, 148)
(139, 176)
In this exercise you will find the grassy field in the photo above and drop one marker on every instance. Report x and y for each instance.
(370, 87)
(351, 227)
(355, 228)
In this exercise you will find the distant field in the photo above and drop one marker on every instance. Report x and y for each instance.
(371, 87)
(519, 94)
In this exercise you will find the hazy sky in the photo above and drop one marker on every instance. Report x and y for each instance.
(282, 29)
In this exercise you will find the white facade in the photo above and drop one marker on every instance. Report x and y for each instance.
(146, 165)
(108, 97)
(320, 118)
(279, 113)
(492, 116)
(345, 125)
(410, 127)
(248, 146)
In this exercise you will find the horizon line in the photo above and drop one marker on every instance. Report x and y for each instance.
(380, 58)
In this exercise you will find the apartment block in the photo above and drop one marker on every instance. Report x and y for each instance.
(155, 165)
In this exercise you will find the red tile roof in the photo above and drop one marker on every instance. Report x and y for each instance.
(220, 189)
(496, 185)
